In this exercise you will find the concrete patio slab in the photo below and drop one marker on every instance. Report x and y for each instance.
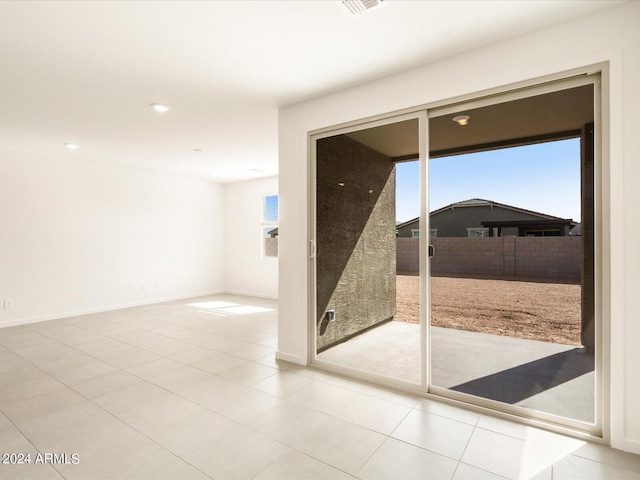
(548, 377)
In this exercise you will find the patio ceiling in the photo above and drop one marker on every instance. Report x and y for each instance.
(554, 115)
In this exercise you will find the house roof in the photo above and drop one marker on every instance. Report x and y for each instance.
(479, 202)
(408, 222)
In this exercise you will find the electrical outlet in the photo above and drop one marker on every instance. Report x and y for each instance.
(8, 303)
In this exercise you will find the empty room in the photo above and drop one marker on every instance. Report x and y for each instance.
(372, 239)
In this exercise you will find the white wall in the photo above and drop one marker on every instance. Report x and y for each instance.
(246, 271)
(77, 237)
(612, 36)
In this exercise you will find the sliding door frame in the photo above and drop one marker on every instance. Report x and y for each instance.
(593, 79)
(598, 75)
(419, 114)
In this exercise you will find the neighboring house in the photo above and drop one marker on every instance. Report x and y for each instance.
(576, 231)
(485, 218)
(410, 229)
(273, 233)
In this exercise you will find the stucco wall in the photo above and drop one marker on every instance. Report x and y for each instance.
(355, 238)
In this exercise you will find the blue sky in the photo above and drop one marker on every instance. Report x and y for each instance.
(271, 208)
(544, 177)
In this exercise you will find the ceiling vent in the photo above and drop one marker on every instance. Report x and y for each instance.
(358, 7)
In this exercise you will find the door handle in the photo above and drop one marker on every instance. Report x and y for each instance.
(312, 249)
(432, 251)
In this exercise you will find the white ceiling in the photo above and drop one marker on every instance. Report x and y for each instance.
(87, 72)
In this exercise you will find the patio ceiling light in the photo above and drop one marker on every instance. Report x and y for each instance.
(461, 119)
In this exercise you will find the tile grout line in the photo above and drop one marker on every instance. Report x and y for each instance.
(103, 409)
(388, 436)
(151, 331)
(142, 348)
(189, 400)
(108, 412)
(31, 443)
(38, 332)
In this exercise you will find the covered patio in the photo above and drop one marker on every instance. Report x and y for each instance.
(547, 377)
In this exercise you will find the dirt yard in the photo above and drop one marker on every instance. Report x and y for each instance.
(548, 312)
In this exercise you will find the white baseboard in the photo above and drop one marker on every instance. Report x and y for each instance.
(627, 445)
(88, 311)
(251, 294)
(287, 357)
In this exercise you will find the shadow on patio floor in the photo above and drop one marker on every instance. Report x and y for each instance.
(530, 378)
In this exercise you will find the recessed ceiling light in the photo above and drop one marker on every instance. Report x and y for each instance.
(461, 119)
(197, 149)
(71, 146)
(160, 108)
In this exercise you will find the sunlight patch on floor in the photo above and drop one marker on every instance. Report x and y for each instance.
(229, 308)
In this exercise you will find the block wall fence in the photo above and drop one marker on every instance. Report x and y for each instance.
(271, 247)
(548, 258)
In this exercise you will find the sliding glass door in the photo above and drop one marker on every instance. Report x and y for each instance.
(367, 317)
(453, 252)
(512, 302)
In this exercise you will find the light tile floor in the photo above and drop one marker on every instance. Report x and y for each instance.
(191, 390)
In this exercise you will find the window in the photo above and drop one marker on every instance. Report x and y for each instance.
(269, 226)
(415, 233)
(477, 232)
(542, 233)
